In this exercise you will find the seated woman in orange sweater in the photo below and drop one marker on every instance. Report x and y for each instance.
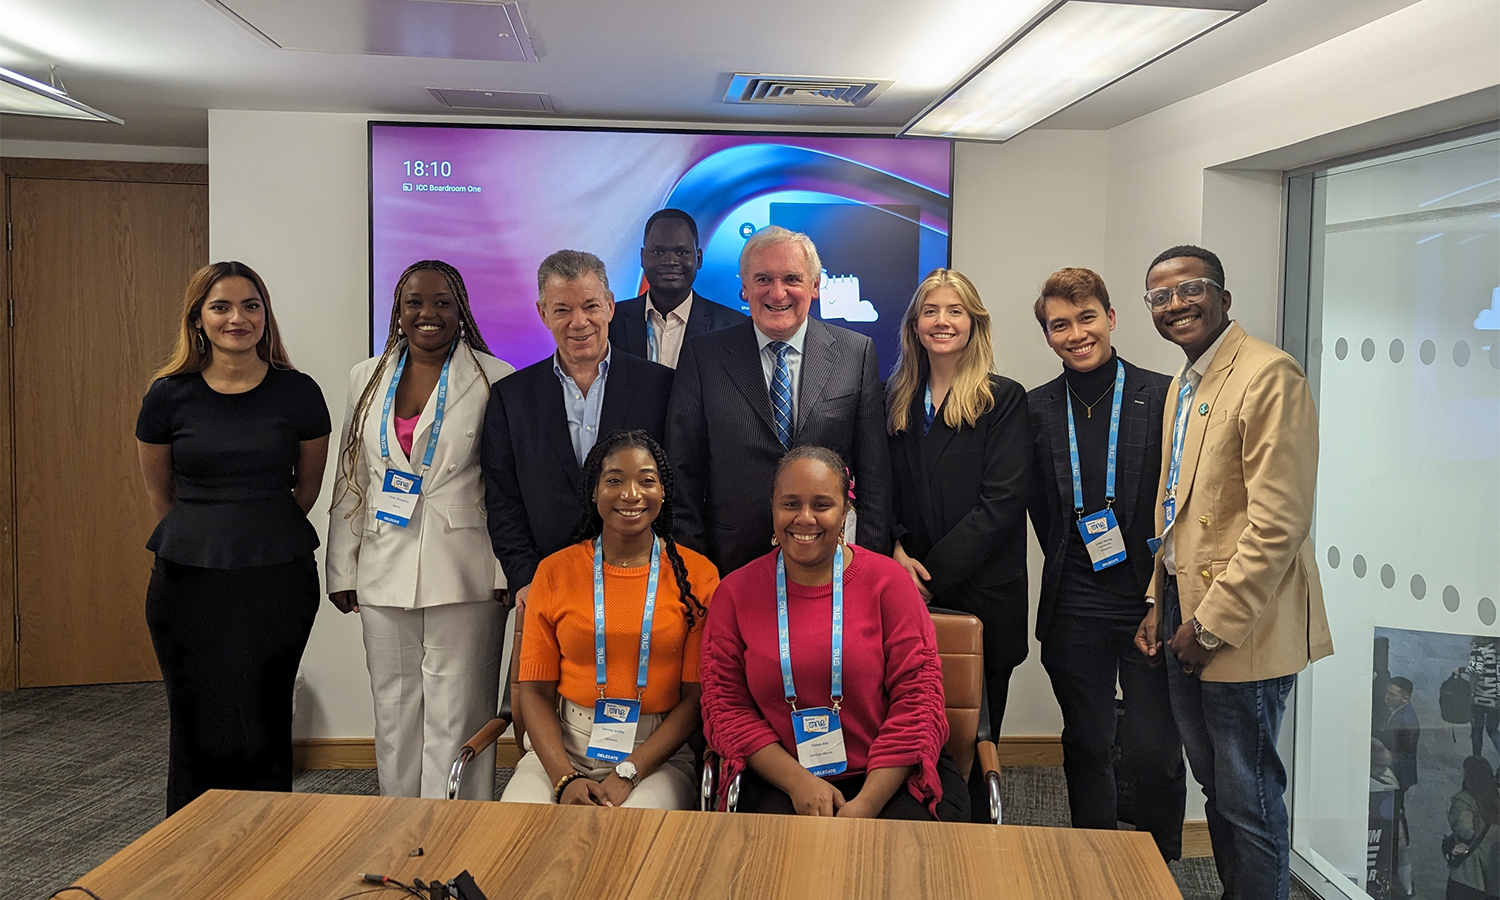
(609, 656)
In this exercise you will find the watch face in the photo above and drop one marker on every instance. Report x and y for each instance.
(626, 770)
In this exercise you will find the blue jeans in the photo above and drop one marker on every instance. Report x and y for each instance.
(1229, 731)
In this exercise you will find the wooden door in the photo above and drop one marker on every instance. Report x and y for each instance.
(97, 273)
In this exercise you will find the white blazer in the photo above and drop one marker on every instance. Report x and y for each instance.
(444, 555)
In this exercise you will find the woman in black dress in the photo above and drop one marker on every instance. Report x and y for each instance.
(232, 443)
(960, 446)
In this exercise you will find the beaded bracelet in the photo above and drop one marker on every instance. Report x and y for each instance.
(562, 785)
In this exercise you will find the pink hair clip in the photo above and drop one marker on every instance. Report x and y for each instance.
(850, 476)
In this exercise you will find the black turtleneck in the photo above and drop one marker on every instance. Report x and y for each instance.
(1111, 592)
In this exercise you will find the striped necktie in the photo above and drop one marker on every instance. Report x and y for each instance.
(653, 342)
(781, 394)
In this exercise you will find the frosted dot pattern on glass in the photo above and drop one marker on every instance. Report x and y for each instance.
(1359, 566)
(1450, 598)
(1486, 610)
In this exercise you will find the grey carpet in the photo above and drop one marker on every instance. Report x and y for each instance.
(83, 773)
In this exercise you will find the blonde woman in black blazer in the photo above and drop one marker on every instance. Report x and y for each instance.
(960, 444)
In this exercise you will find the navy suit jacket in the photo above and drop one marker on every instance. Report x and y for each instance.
(721, 437)
(531, 490)
(1137, 476)
(627, 330)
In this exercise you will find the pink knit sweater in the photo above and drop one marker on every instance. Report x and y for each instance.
(892, 709)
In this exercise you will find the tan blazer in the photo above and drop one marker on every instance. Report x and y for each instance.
(447, 541)
(1245, 565)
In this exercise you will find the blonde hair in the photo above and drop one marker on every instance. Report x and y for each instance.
(468, 336)
(194, 352)
(970, 396)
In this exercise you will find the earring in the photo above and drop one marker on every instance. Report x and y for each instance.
(774, 541)
(202, 343)
(841, 537)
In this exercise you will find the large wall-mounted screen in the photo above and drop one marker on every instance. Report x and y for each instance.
(494, 201)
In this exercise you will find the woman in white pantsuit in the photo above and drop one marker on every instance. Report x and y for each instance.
(412, 555)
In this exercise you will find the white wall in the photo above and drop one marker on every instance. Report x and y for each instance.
(1021, 211)
(288, 195)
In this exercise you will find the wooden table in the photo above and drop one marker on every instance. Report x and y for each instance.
(231, 845)
(242, 845)
(697, 856)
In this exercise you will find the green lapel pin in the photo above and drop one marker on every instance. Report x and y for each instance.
(1203, 409)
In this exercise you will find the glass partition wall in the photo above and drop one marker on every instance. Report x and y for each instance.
(1393, 305)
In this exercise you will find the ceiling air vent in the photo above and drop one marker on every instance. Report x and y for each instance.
(494, 101)
(803, 90)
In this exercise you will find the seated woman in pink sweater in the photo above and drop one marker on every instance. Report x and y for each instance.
(853, 724)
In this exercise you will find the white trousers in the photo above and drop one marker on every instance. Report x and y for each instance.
(669, 787)
(435, 674)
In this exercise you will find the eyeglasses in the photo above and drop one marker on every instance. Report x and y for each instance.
(1190, 292)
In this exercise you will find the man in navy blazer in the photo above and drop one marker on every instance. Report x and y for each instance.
(745, 395)
(1087, 618)
(657, 323)
(543, 420)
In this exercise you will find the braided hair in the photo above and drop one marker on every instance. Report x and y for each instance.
(591, 525)
(468, 336)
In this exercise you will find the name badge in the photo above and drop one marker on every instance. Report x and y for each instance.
(613, 735)
(1102, 538)
(398, 497)
(820, 741)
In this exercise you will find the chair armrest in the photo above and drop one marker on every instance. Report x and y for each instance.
(989, 766)
(474, 746)
(709, 781)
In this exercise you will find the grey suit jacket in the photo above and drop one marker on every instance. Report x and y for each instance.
(722, 439)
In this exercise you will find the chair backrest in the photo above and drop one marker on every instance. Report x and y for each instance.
(960, 641)
(508, 704)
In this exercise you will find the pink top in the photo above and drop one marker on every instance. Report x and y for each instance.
(892, 709)
(406, 429)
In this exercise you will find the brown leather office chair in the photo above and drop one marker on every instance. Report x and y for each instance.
(960, 640)
(504, 718)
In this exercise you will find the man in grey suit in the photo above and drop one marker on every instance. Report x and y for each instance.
(745, 395)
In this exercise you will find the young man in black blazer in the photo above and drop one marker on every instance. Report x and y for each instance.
(1091, 603)
(656, 324)
(725, 433)
(543, 420)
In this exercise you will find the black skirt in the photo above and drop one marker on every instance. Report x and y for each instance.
(229, 642)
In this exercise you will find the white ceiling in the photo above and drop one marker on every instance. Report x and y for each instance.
(161, 64)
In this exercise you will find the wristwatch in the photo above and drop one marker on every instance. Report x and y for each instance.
(1206, 638)
(626, 770)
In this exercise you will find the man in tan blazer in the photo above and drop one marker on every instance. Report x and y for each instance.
(1236, 596)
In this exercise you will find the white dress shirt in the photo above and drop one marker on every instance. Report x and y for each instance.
(670, 329)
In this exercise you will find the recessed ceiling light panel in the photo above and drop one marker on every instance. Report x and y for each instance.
(1077, 49)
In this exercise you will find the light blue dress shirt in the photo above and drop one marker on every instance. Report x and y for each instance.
(582, 407)
(793, 363)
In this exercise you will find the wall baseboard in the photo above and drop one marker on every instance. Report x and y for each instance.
(1022, 750)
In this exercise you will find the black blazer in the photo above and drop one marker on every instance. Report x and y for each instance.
(1136, 479)
(722, 438)
(530, 474)
(961, 511)
(627, 330)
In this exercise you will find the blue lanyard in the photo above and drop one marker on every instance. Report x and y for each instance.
(1114, 442)
(783, 633)
(437, 419)
(927, 408)
(600, 678)
(1179, 435)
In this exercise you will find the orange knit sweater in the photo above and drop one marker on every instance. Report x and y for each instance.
(558, 641)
